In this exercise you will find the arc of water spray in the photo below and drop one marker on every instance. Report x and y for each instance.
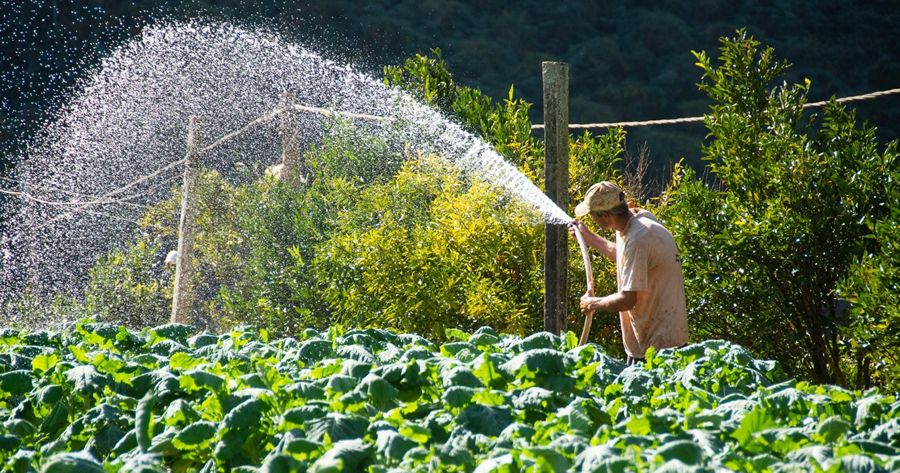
(82, 207)
(503, 174)
(126, 121)
(104, 199)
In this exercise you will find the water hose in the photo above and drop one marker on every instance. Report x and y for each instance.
(589, 275)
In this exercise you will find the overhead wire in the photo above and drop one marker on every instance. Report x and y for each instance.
(673, 121)
(32, 197)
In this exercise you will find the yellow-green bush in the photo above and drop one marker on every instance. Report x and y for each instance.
(428, 251)
(130, 286)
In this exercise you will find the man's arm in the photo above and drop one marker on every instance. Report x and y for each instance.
(616, 302)
(605, 247)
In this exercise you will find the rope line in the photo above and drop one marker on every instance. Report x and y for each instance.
(28, 196)
(281, 109)
(82, 206)
(855, 98)
(328, 113)
(672, 121)
(234, 134)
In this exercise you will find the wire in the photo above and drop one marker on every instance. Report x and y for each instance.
(672, 121)
(328, 113)
(28, 196)
(81, 206)
(855, 98)
(281, 109)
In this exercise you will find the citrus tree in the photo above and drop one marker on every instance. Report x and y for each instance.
(768, 238)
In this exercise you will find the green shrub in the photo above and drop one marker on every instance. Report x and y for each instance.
(32, 310)
(428, 251)
(873, 288)
(766, 245)
(130, 287)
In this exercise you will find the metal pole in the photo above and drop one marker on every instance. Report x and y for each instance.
(182, 298)
(556, 172)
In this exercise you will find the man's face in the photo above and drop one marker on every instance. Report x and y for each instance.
(602, 219)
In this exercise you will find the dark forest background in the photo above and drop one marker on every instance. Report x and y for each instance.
(628, 60)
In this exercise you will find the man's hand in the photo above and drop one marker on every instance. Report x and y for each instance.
(589, 303)
(592, 240)
(577, 226)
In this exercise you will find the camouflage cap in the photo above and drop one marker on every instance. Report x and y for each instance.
(601, 197)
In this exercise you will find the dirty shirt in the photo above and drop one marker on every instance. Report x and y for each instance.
(647, 262)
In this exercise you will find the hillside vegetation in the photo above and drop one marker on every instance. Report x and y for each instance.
(629, 60)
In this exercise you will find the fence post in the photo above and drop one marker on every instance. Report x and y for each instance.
(183, 296)
(292, 165)
(556, 174)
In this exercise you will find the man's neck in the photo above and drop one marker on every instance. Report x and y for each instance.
(621, 221)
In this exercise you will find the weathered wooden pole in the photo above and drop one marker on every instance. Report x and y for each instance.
(556, 174)
(183, 296)
(292, 166)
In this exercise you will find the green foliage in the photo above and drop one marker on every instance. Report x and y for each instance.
(545, 405)
(873, 331)
(438, 253)
(504, 125)
(253, 254)
(765, 246)
(427, 77)
(35, 310)
(130, 286)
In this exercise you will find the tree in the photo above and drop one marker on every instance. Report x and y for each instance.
(767, 243)
(873, 287)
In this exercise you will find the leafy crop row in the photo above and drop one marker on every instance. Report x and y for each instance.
(103, 398)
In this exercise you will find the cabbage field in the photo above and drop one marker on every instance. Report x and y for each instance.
(101, 398)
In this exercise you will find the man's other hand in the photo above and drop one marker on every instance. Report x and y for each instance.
(577, 226)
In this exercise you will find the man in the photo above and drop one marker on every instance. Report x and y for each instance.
(650, 300)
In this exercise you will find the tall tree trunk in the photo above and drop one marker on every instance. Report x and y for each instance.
(835, 350)
(826, 358)
(863, 375)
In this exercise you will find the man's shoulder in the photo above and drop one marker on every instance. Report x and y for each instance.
(644, 213)
(636, 234)
(640, 223)
(646, 231)
(649, 221)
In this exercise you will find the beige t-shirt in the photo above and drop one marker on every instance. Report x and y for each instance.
(647, 262)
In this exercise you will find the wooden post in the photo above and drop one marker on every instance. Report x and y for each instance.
(556, 173)
(182, 298)
(292, 166)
